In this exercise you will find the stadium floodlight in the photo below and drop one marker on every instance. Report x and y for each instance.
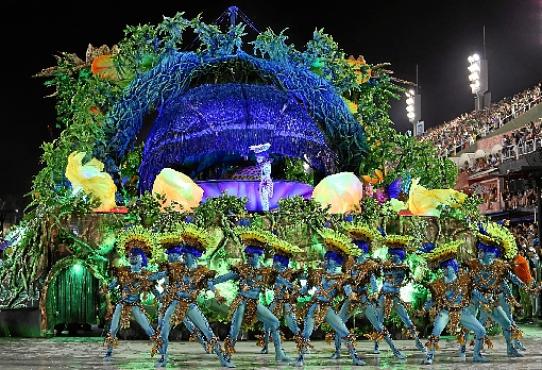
(411, 105)
(474, 75)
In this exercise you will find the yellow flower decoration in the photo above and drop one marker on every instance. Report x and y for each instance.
(339, 242)
(136, 237)
(361, 69)
(443, 251)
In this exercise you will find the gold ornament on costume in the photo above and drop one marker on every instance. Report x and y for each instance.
(361, 68)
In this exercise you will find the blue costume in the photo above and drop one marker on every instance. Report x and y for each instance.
(507, 300)
(396, 275)
(329, 283)
(133, 281)
(185, 280)
(488, 275)
(362, 277)
(450, 299)
(284, 297)
(252, 280)
(489, 272)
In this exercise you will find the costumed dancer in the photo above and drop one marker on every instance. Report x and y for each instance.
(185, 281)
(172, 257)
(329, 282)
(396, 274)
(137, 245)
(489, 272)
(507, 300)
(363, 279)
(284, 290)
(252, 279)
(450, 299)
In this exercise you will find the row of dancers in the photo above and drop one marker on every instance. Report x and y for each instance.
(464, 297)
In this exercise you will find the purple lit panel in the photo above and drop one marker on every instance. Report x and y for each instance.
(249, 189)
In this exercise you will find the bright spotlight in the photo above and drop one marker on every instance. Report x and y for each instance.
(474, 69)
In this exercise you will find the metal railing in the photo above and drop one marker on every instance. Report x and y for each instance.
(518, 150)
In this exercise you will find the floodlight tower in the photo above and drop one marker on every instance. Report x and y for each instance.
(478, 78)
(414, 108)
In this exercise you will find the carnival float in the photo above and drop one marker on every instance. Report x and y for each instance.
(221, 125)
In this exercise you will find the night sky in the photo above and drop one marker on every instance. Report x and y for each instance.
(437, 35)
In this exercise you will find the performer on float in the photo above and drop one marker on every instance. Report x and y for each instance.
(136, 244)
(363, 279)
(252, 279)
(396, 274)
(185, 281)
(329, 282)
(489, 272)
(450, 299)
(266, 183)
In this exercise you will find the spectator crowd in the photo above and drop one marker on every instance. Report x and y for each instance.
(463, 131)
(513, 145)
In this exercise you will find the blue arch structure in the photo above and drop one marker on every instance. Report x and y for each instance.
(225, 119)
(168, 84)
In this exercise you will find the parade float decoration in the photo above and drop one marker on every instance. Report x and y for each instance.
(233, 125)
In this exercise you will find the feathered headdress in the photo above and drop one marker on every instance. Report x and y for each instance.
(498, 236)
(195, 237)
(136, 237)
(394, 241)
(281, 246)
(443, 252)
(361, 231)
(338, 242)
(251, 236)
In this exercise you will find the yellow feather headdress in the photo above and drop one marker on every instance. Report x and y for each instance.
(253, 236)
(443, 252)
(283, 247)
(335, 241)
(136, 237)
(499, 236)
(399, 242)
(361, 231)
